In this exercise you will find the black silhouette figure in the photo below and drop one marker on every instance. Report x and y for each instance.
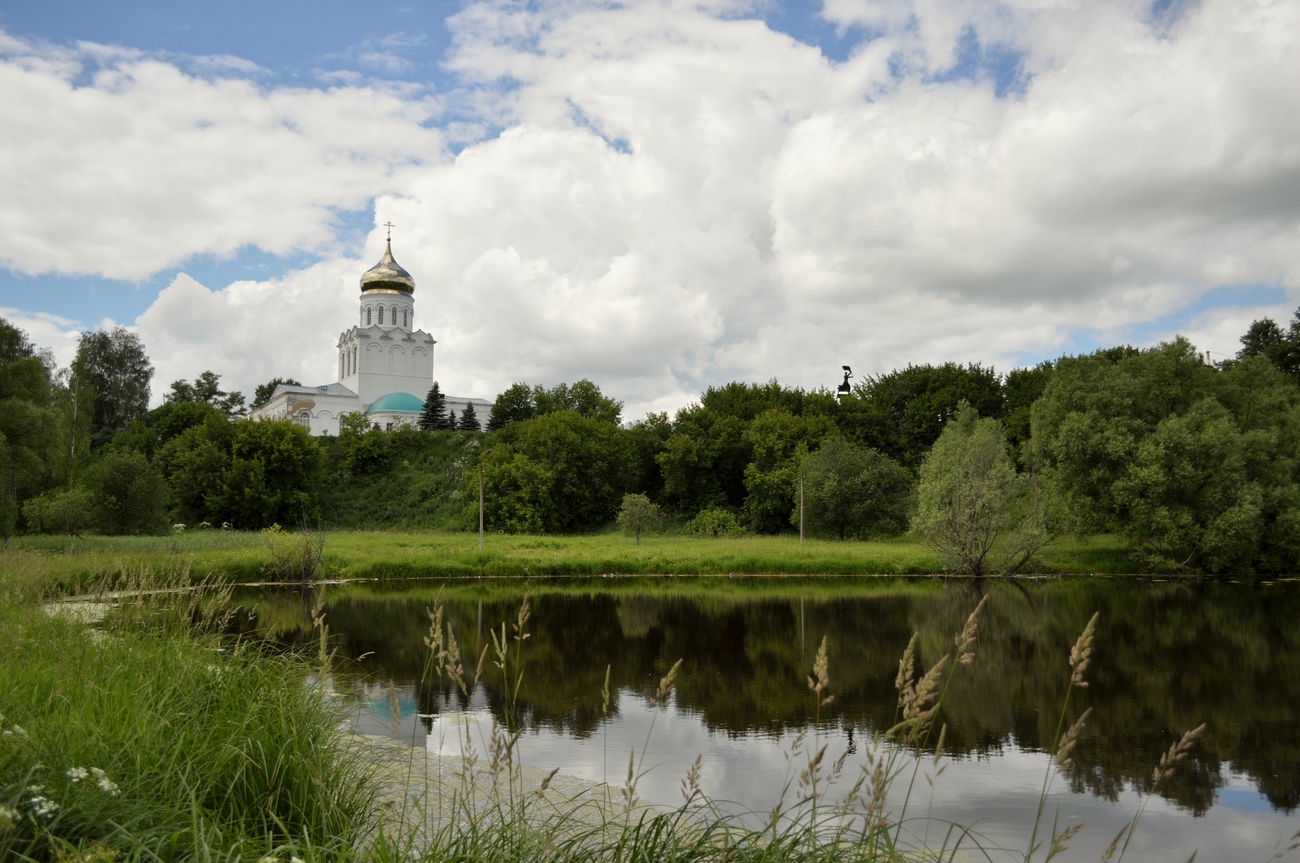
(843, 389)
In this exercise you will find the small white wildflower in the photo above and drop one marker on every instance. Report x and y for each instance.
(19, 732)
(43, 807)
(35, 789)
(269, 858)
(105, 784)
(8, 818)
(293, 859)
(76, 774)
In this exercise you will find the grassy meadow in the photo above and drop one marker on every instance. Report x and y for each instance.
(241, 556)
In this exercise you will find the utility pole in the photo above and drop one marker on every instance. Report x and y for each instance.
(801, 475)
(480, 508)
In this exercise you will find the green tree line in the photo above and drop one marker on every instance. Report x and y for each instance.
(1194, 463)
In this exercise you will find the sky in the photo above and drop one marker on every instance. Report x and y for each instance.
(659, 196)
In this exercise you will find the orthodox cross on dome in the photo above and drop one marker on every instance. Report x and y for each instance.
(389, 226)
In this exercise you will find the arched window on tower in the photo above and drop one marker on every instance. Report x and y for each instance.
(394, 315)
(381, 316)
(405, 321)
(367, 315)
(304, 419)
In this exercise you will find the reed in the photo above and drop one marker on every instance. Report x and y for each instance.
(152, 737)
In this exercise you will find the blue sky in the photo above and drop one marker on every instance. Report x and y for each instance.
(659, 194)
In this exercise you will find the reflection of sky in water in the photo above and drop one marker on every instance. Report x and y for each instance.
(995, 794)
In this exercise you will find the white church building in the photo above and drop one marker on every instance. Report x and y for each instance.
(385, 365)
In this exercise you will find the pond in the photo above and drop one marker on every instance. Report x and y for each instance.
(1168, 655)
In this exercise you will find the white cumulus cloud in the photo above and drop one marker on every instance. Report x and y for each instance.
(679, 196)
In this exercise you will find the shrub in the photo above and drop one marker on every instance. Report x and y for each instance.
(853, 491)
(637, 514)
(66, 511)
(715, 522)
(294, 557)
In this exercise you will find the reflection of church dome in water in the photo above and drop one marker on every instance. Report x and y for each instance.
(397, 403)
(387, 275)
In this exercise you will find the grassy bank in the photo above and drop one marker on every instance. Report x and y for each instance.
(391, 555)
(149, 738)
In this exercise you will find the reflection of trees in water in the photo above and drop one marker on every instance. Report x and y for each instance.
(1169, 655)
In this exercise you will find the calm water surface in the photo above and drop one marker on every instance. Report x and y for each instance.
(1168, 656)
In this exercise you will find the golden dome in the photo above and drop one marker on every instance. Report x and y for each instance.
(387, 275)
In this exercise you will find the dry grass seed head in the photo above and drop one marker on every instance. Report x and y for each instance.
(1081, 653)
(691, 784)
(1177, 753)
(820, 679)
(629, 789)
(525, 611)
(665, 685)
(604, 694)
(1113, 847)
(965, 639)
(809, 775)
(906, 668)
(546, 783)
(1059, 840)
(1067, 741)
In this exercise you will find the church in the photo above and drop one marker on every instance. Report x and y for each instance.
(385, 365)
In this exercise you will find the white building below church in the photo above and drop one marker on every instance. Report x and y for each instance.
(385, 365)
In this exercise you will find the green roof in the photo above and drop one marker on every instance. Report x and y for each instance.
(397, 403)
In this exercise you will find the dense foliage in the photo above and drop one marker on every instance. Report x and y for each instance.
(1194, 463)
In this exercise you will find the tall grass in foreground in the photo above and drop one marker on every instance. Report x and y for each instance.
(149, 738)
(827, 810)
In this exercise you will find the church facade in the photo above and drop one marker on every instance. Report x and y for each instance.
(385, 365)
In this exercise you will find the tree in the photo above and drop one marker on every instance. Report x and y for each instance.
(1195, 464)
(1280, 347)
(778, 441)
(66, 511)
(703, 461)
(251, 474)
(521, 402)
(273, 476)
(263, 393)
(557, 473)
(30, 431)
(1021, 388)
(14, 343)
(206, 389)
(649, 438)
(967, 499)
(584, 397)
(469, 419)
(366, 449)
(853, 491)
(126, 494)
(117, 369)
(434, 416)
(513, 405)
(194, 464)
(902, 413)
(636, 514)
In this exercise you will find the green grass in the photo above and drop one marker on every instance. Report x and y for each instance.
(210, 750)
(203, 746)
(440, 554)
